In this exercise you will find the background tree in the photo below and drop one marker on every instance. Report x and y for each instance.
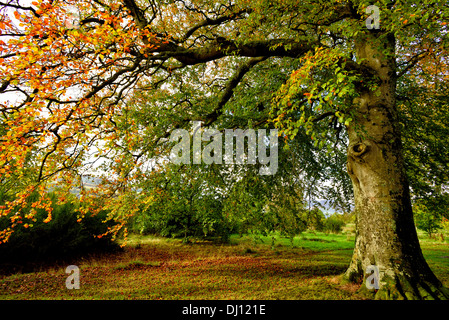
(106, 95)
(426, 220)
(185, 202)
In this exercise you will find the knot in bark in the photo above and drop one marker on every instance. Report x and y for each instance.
(359, 149)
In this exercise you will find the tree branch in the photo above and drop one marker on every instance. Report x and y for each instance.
(213, 22)
(229, 90)
(412, 62)
(137, 13)
(18, 6)
(222, 47)
(323, 115)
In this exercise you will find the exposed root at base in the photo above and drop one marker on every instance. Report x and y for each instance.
(401, 287)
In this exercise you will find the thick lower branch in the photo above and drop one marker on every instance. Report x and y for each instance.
(229, 90)
(223, 47)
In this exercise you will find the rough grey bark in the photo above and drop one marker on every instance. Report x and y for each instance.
(385, 233)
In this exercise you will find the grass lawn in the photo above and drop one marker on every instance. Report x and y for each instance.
(157, 268)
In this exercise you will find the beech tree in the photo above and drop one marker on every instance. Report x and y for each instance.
(101, 84)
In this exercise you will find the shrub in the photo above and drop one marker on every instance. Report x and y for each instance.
(60, 239)
(334, 223)
(316, 220)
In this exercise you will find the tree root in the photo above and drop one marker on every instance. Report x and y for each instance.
(401, 287)
(397, 285)
(405, 288)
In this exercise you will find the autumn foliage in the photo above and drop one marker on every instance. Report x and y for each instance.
(65, 89)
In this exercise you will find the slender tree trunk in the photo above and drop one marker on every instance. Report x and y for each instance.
(385, 233)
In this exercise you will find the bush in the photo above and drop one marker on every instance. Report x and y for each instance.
(334, 223)
(60, 239)
(316, 220)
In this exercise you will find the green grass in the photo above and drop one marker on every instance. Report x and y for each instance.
(158, 268)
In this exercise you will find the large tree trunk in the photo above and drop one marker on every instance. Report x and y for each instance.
(385, 233)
